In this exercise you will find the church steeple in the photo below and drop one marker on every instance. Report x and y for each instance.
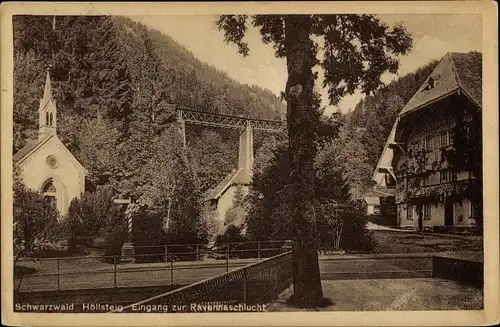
(47, 111)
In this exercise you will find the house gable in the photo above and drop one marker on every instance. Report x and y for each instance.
(455, 72)
(440, 83)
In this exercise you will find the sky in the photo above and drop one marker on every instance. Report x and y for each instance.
(433, 36)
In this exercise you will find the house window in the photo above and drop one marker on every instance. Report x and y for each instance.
(453, 176)
(409, 212)
(467, 131)
(436, 142)
(443, 139)
(448, 176)
(451, 137)
(443, 176)
(473, 210)
(427, 180)
(427, 211)
(416, 145)
(428, 144)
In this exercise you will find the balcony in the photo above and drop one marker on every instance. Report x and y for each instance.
(466, 187)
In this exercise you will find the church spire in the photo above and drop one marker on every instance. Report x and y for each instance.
(47, 92)
(47, 111)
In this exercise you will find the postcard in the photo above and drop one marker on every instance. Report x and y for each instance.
(238, 163)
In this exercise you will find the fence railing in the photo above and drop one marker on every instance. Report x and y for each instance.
(226, 250)
(257, 283)
(177, 265)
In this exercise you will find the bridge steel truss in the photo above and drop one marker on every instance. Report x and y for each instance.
(217, 120)
(225, 121)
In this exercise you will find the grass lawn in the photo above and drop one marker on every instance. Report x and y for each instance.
(392, 295)
(401, 242)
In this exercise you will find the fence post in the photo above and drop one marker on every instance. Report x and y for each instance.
(258, 245)
(166, 253)
(276, 281)
(114, 271)
(227, 257)
(245, 289)
(171, 270)
(270, 275)
(197, 252)
(58, 275)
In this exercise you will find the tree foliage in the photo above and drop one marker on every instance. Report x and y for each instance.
(92, 215)
(35, 220)
(355, 51)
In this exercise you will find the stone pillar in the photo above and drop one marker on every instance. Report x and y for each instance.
(245, 159)
(127, 250)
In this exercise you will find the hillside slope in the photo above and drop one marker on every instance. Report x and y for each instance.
(115, 82)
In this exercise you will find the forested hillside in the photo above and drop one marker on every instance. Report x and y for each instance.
(367, 126)
(114, 82)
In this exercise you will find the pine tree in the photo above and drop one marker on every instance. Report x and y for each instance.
(28, 83)
(97, 150)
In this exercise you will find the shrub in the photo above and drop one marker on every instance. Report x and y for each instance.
(149, 237)
(95, 215)
(35, 221)
(239, 246)
(343, 227)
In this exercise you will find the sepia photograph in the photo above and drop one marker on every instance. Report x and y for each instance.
(224, 162)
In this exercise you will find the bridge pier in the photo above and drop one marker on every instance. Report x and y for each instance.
(245, 155)
(182, 127)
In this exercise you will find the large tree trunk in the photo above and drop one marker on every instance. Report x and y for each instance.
(301, 134)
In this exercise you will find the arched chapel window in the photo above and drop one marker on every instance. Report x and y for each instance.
(49, 191)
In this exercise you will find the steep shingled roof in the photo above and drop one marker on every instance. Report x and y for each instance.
(455, 71)
(469, 71)
(237, 177)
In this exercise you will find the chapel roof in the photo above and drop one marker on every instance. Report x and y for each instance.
(456, 71)
(31, 145)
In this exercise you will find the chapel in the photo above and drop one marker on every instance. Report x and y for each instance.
(46, 164)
